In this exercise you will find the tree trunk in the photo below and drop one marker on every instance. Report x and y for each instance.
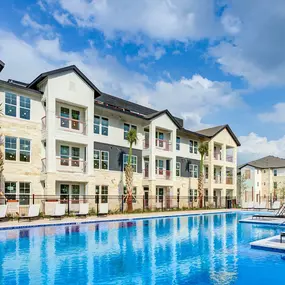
(200, 188)
(129, 185)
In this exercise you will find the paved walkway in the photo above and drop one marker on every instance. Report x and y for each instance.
(111, 218)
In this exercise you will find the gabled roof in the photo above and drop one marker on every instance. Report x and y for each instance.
(157, 114)
(266, 162)
(42, 76)
(2, 64)
(211, 132)
(183, 131)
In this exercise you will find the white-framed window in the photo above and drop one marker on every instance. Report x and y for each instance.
(193, 195)
(134, 160)
(104, 194)
(193, 168)
(127, 127)
(101, 159)
(25, 150)
(69, 118)
(193, 146)
(24, 191)
(10, 190)
(275, 172)
(178, 140)
(101, 125)
(75, 156)
(18, 191)
(10, 148)
(70, 192)
(17, 106)
(10, 104)
(66, 155)
(17, 149)
(178, 169)
(25, 108)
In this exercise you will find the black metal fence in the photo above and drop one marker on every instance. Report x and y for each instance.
(115, 203)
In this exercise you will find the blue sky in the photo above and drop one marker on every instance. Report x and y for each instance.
(210, 62)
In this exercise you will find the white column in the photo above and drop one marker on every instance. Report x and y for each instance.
(152, 150)
(89, 115)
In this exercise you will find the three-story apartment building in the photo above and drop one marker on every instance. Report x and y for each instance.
(64, 137)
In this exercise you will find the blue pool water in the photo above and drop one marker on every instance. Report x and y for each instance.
(209, 249)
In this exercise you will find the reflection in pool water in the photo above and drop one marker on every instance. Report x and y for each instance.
(210, 249)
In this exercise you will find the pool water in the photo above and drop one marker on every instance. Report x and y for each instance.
(208, 249)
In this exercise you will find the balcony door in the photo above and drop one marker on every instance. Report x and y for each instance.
(160, 139)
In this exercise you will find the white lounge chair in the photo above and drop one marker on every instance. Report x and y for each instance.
(250, 205)
(276, 206)
(103, 209)
(34, 211)
(3, 211)
(260, 206)
(59, 211)
(244, 205)
(83, 210)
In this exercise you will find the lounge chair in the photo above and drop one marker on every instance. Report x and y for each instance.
(250, 206)
(244, 205)
(34, 211)
(276, 206)
(279, 214)
(282, 235)
(83, 210)
(261, 206)
(3, 212)
(59, 211)
(103, 209)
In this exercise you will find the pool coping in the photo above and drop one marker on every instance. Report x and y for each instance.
(269, 244)
(110, 220)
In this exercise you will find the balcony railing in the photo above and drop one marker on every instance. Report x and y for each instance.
(72, 125)
(163, 174)
(229, 180)
(217, 156)
(145, 144)
(71, 165)
(230, 158)
(218, 179)
(162, 144)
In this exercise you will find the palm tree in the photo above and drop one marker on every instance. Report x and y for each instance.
(203, 150)
(1, 154)
(132, 139)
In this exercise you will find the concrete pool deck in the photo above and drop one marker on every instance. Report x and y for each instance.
(269, 244)
(268, 221)
(14, 224)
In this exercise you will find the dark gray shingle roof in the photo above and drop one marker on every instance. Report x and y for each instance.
(266, 162)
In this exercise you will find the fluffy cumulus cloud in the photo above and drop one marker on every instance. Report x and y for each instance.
(254, 146)
(163, 20)
(275, 116)
(255, 51)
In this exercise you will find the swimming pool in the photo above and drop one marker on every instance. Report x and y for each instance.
(207, 249)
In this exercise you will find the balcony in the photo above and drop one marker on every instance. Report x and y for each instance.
(71, 165)
(229, 180)
(163, 174)
(217, 155)
(218, 179)
(145, 173)
(71, 125)
(230, 158)
(162, 144)
(146, 144)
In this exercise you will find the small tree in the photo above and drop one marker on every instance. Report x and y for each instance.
(241, 186)
(203, 150)
(1, 155)
(132, 139)
(280, 191)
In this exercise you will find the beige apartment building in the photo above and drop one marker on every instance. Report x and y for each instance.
(65, 139)
(263, 180)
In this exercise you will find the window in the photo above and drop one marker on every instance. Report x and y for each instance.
(25, 108)
(10, 104)
(257, 183)
(206, 195)
(64, 193)
(178, 169)
(177, 143)
(264, 171)
(104, 194)
(193, 170)
(25, 193)
(257, 171)
(97, 192)
(25, 150)
(159, 195)
(247, 174)
(193, 146)
(103, 123)
(75, 191)
(10, 190)
(64, 117)
(193, 195)
(96, 125)
(127, 127)
(64, 155)
(96, 159)
(159, 166)
(75, 155)
(101, 159)
(75, 119)
(10, 148)
(133, 161)
(104, 160)
(275, 172)
(275, 185)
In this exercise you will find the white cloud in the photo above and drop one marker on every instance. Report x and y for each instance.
(27, 21)
(276, 116)
(254, 146)
(255, 51)
(62, 18)
(163, 20)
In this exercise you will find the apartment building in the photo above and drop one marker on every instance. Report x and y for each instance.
(64, 137)
(262, 179)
